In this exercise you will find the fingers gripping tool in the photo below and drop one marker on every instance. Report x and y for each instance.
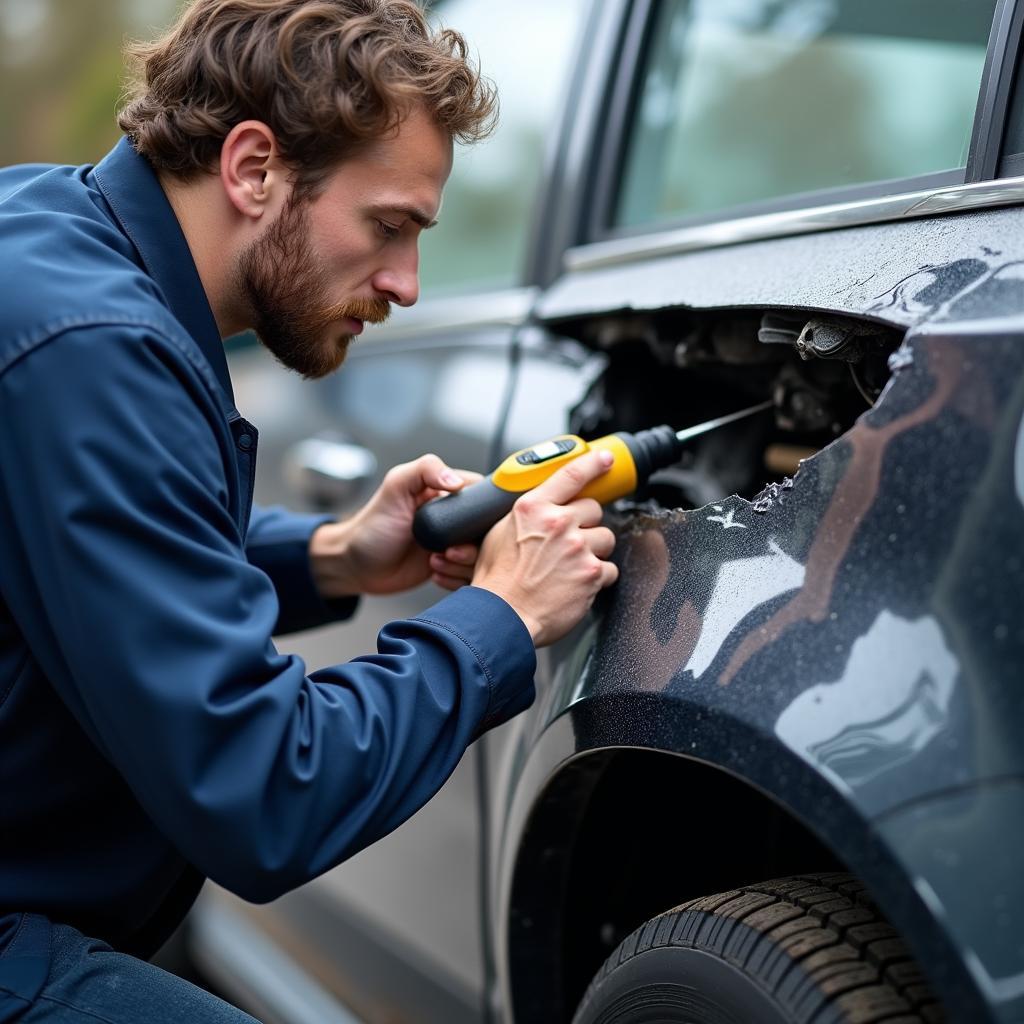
(466, 515)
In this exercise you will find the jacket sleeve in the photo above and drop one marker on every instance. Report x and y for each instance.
(278, 542)
(155, 628)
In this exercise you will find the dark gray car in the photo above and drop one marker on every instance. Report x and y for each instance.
(777, 775)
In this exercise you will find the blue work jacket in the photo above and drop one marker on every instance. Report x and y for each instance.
(150, 733)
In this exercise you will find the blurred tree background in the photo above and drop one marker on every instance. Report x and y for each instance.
(62, 73)
(62, 76)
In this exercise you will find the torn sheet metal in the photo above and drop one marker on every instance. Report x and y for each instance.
(867, 616)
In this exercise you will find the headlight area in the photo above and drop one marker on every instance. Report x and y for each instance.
(820, 371)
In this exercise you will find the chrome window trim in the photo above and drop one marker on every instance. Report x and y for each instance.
(506, 308)
(906, 206)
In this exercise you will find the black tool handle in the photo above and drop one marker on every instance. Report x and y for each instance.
(462, 517)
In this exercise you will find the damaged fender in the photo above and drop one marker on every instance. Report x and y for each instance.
(850, 643)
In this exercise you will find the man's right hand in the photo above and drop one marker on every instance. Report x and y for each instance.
(548, 557)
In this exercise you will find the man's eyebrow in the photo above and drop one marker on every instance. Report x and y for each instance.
(414, 213)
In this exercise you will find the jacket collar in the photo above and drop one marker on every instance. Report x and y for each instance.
(131, 187)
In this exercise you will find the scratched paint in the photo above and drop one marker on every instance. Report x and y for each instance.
(774, 493)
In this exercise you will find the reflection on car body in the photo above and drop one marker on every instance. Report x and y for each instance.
(854, 733)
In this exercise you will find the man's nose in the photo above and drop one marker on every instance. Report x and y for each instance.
(399, 282)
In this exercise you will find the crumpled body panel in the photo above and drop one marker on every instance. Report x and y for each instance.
(867, 614)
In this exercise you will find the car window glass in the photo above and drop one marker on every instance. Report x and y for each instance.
(480, 240)
(750, 100)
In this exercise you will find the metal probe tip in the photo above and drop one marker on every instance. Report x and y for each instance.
(703, 428)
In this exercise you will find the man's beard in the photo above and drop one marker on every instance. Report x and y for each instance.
(286, 289)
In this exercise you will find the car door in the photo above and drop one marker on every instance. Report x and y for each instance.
(396, 931)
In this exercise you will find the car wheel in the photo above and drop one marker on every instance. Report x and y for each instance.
(812, 948)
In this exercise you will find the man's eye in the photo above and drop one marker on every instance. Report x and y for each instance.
(386, 229)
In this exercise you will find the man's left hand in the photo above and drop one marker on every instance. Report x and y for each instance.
(374, 552)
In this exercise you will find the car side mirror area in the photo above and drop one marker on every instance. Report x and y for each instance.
(329, 474)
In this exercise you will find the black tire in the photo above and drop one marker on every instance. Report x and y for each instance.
(812, 949)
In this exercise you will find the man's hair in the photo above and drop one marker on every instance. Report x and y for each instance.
(327, 76)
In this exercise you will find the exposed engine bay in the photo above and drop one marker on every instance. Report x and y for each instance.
(820, 371)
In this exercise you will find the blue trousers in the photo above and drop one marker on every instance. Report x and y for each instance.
(88, 983)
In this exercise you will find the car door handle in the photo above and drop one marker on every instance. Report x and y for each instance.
(329, 473)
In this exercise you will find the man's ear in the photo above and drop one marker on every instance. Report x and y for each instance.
(251, 171)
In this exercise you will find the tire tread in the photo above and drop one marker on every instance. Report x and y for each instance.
(815, 942)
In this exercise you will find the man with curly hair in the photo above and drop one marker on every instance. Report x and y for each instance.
(280, 160)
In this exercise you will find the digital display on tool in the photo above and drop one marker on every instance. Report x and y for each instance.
(545, 451)
(467, 515)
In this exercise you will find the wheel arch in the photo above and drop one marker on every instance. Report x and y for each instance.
(614, 833)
